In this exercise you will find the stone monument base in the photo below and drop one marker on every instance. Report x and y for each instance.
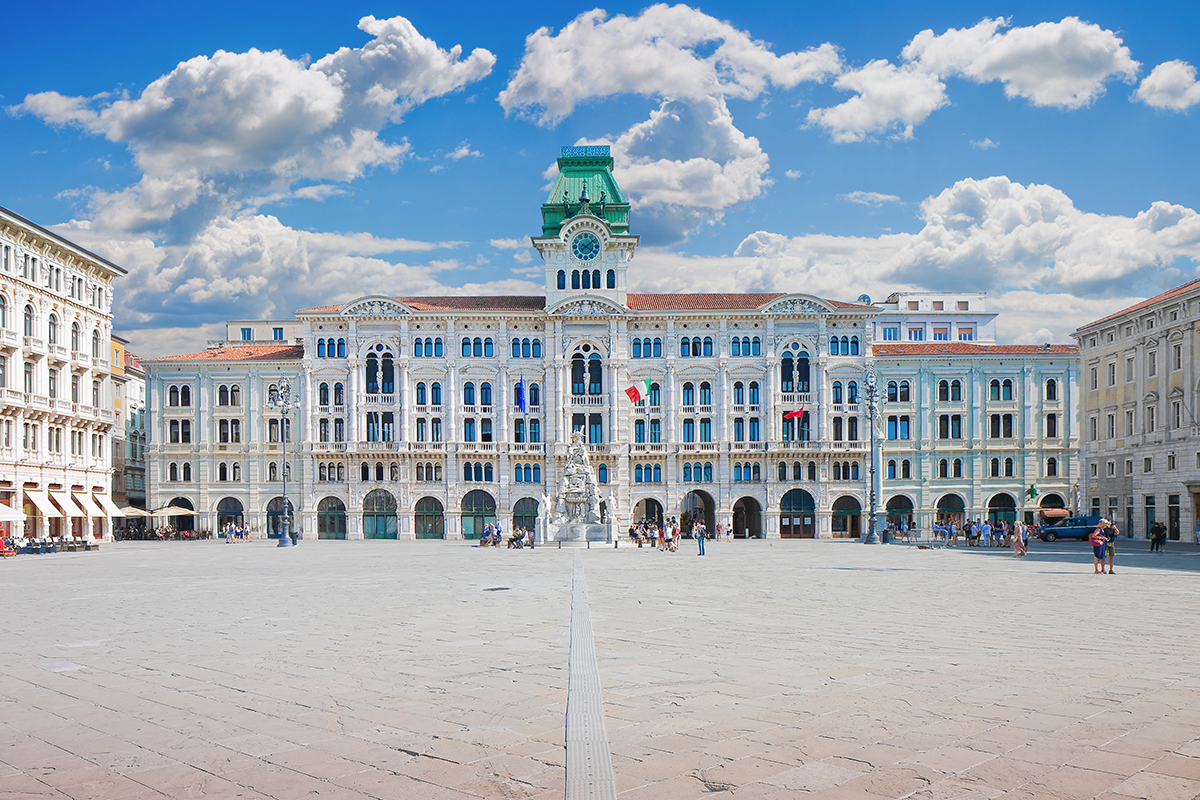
(578, 532)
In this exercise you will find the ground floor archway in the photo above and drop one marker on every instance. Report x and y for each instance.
(950, 510)
(525, 514)
(847, 517)
(747, 519)
(478, 510)
(430, 519)
(379, 515)
(229, 512)
(1002, 508)
(1052, 500)
(900, 512)
(182, 522)
(275, 517)
(331, 519)
(697, 506)
(647, 510)
(797, 515)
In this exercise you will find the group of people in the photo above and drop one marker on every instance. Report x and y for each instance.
(234, 533)
(1104, 544)
(493, 534)
(666, 537)
(986, 533)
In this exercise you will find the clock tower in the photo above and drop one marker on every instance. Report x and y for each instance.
(585, 242)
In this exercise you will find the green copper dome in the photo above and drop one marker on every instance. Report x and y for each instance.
(585, 184)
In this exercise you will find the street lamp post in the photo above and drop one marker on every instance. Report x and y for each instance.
(283, 401)
(872, 498)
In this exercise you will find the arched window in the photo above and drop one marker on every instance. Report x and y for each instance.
(537, 348)
(955, 391)
(837, 392)
(172, 472)
(612, 279)
(1008, 467)
(735, 346)
(595, 375)
(485, 394)
(437, 347)
(223, 396)
(837, 470)
(687, 472)
(852, 392)
(958, 468)
(595, 279)
(421, 394)
(657, 473)
(52, 329)
(222, 472)
(1051, 389)
(3, 311)
(339, 395)
(586, 275)
(477, 347)
(891, 470)
(320, 348)
(173, 396)
(783, 472)
(574, 279)
(1051, 467)
(185, 396)
(854, 471)
(944, 390)
(853, 345)
(74, 337)
(994, 389)
(526, 351)
(535, 395)
(516, 348)
(372, 370)
(658, 348)
(995, 468)
(468, 394)
(904, 393)
(797, 471)
(29, 321)
(341, 350)
(418, 347)
(562, 279)
(95, 344)
(739, 393)
(705, 394)
(1006, 390)
(487, 472)
(697, 347)
(943, 468)
(379, 470)
(237, 471)
(323, 474)
(835, 346)
(435, 394)
(466, 347)
(637, 348)
(187, 472)
(689, 394)
(812, 471)
(892, 392)
(906, 469)
(685, 347)
(518, 474)
(708, 347)
(488, 350)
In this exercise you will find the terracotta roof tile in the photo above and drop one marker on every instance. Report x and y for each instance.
(970, 349)
(698, 301)
(1167, 295)
(688, 301)
(467, 303)
(236, 351)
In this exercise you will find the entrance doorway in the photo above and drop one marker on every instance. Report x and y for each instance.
(478, 509)
(798, 515)
(747, 519)
(697, 507)
(648, 510)
(899, 512)
(847, 518)
(275, 517)
(430, 519)
(525, 514)
(229, 510)
(182, 522)
(1002, 508)
(331, 519)
(379, 515)
(950, 510)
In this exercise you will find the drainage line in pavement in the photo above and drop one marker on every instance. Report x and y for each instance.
(589, 762)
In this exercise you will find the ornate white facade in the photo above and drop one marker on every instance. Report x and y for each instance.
(429, 416)
(58, 410)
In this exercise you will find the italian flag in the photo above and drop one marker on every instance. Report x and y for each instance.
(639, 391)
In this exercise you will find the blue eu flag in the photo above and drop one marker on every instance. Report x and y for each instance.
(521, 394)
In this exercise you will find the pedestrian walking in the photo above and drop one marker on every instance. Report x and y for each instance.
(1016, 539)
(1158, 534)
(1098, 543)
(699, 534)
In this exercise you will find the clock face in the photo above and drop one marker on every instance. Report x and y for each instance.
(585, 246)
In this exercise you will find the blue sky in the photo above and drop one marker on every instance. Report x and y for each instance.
(267, 157)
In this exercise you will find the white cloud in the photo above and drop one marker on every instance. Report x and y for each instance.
(1171, 85)
(1045, 264)
(218, 131)
(874, 199)
(462, 151)
(984, 144)
(661, 53)
(793, 174)
(523, 248)
(1062, 64)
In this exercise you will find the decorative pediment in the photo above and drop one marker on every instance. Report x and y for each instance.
(1175, 393)
(375, 307)
(588, 307)
(797, 304)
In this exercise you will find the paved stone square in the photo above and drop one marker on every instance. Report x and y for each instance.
(766, 669)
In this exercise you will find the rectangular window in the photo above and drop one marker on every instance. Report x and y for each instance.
(1129, 422)
(247, 335)
(1093, 428)
(655, 431)
(939, 305)
(1129, 373)
(1095, 374)
(1151, 364)
(1112, 374)
(1176, 414)
(435, 429)
(1150, 419)
(1148, 464)
(1052, 426)
(277, 334)
(468, 430)
(891, 333)
(1129, 466)
(485, 430)
(421, 430)
(754, 432)
(1111, 421)
(1177, 357)
(689, 430)
(1111, 466)
(595, 429)
(913, 305)
(941, 334)
(963, 305)
(966, 334)
(706, 430)
(1170, 461)
(916, 334)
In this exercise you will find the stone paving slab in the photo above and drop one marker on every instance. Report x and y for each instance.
(765, 670)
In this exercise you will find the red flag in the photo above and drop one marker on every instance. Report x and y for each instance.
(800, 412)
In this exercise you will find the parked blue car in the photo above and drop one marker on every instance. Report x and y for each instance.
(1069, 528)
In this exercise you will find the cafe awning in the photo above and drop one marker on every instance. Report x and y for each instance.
(91, 508)
(43, 503)
(1055, 513)
(106, 503)
(10, 514)
(69, 507)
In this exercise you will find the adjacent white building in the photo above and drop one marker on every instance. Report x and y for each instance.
(1141, 428)
(58, 410)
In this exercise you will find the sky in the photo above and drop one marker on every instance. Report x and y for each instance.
(266, 157)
